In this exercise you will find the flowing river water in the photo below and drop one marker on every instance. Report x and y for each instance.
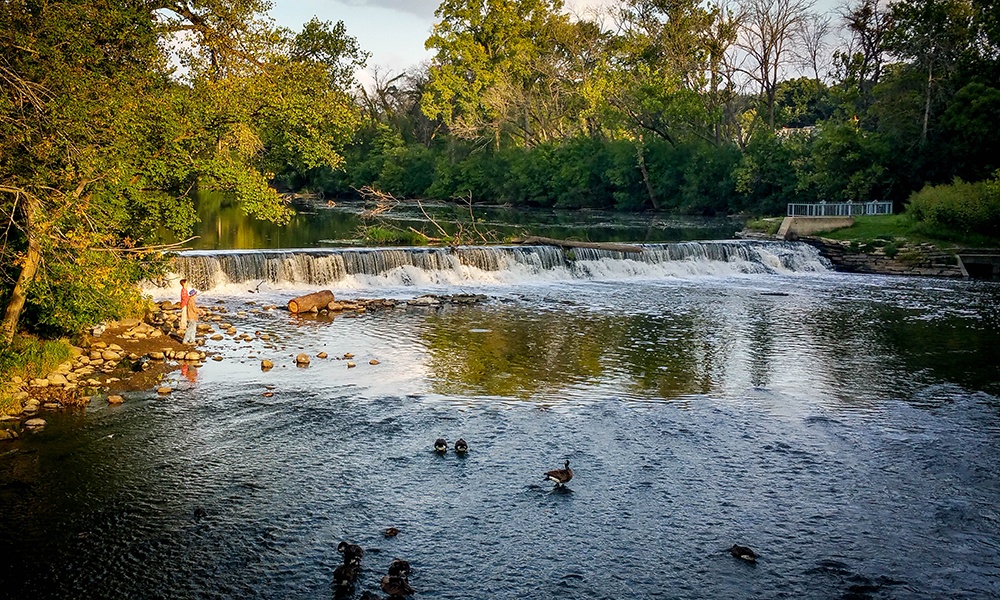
(845, 427)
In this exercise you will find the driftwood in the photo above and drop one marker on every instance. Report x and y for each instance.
(316, 300)
(570, 244)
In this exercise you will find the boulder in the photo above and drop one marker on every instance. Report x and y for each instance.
(36, 422)
(302, 359)
(322, 355)
(115, 399)
(157, 355)
(266, 365)
(164, 390)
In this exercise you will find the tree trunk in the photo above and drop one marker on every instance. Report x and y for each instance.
(611, 246)
(32, 259)
(927, 103)
(645, 173)
(317, 300)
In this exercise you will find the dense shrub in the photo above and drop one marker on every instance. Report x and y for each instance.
(962, 207)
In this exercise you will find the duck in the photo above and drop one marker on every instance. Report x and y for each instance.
(400, 568)
(744, 553)
(396, 586)
(440, 445)
(352, 553)
(461, 446)
(560, 476)
(391, 532)
(345, 575)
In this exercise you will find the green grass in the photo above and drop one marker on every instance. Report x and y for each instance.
(384, 236)
(769, 225)
(27, 357)
(878, 230)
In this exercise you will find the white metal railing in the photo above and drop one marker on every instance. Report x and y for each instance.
(839, 209)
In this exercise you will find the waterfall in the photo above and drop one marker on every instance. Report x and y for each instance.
(407, 266)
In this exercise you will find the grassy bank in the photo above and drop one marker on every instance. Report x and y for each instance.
(27, 357)
(876, 230)
(867, 229)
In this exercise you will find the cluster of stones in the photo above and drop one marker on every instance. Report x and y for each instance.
(912, 259)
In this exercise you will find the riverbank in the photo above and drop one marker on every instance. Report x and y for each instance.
(115, 359)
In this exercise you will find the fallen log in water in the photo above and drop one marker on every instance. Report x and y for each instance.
(316, 300)
(532, 239)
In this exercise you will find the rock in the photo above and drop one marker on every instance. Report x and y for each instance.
(57, 380)
(41, 383)
(115, 399)
(164, 390)
(166, 305)
(98, 330)
(373, 362)
(7, 434)
(266, 365)
(192, 355)
(265, 337)
(156, 355)
(351, 365)
(216, 337)
(322, 355)
(348, 355)
(115, 348)
(302, 359)
(110, 355)
(155, 333)
(217, 358)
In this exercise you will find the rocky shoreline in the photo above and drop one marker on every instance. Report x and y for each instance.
(135, 355)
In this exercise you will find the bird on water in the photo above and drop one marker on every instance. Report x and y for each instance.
(461, 446)
(560, 476)
(440, 445)
(744, 553)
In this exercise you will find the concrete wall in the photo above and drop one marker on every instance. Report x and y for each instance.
(792, 227)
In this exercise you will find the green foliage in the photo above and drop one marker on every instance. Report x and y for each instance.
(27, 358)
(959, 207)
(377, 235)
(95, 286)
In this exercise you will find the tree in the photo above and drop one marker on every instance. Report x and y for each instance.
(101, 142)
(767, 32)
(498, 70)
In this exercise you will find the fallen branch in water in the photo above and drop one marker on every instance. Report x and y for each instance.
(544, 241)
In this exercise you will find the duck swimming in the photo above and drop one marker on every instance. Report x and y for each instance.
(440, 445)
(744, 553)
(352, 553)
(560, 476)
(461, 447)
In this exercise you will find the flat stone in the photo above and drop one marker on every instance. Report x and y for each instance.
(373, 362)
(322, 355)
(115, 399)
(192, 355)
(164, 390)
(156, 355)
(57, 379)
(302, 359)
(217, 358)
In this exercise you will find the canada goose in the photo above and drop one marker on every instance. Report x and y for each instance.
(400, 568)
(461, 447)
(352, 553)
(391, 532)
(560, 476)
(744, 553)
(345, 575)
(396, 586)
(440, 445)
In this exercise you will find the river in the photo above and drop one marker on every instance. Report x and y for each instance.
(845, 427)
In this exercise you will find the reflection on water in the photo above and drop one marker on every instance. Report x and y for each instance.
(827, 421)
(222, 225)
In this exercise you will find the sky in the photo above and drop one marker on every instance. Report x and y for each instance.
(393, 31)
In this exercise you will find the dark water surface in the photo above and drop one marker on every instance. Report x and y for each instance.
(222, 225)
(845, 427)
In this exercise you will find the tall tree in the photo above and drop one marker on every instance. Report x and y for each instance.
(101, 143)
(768, 30)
